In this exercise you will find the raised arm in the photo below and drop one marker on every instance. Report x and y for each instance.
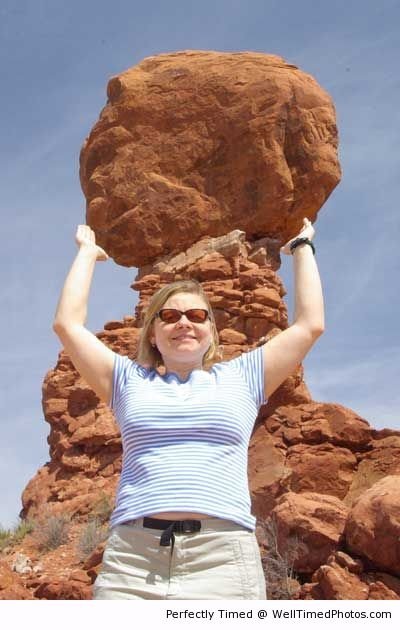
(93, 360)
(284, 352)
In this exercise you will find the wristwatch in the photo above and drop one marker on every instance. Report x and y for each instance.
(299, 241)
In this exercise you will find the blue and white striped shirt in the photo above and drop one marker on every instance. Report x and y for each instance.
(185, 443)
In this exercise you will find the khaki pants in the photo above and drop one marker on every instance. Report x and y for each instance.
(221, 561)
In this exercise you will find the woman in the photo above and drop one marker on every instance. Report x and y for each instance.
(182, 527)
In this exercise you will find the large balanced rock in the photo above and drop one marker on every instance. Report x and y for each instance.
(198, 143)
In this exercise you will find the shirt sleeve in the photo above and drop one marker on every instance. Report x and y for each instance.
(251, 367)
(123, 368)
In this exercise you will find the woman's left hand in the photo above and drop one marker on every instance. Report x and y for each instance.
(307, 231)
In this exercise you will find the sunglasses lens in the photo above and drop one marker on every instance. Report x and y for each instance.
(169, 315)
(197, 315)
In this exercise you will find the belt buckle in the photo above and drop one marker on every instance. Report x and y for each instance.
(190, 526)
(180, 527)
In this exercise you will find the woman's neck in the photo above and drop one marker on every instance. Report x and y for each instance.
(180, 370)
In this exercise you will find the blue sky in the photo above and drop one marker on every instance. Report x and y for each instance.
(56, 58)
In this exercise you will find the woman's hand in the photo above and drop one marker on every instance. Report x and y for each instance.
(307, 231)
(85, 237)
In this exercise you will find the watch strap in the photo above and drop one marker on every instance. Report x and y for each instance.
(300, 241)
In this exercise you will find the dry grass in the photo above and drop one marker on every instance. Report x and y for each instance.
(5, 537)
(103, 508)
(280, 577)
(94, 533)
(9, 537)
(52, 530)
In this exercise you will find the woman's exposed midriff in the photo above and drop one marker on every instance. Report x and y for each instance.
(179, 516)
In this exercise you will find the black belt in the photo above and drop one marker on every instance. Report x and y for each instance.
(169, 527)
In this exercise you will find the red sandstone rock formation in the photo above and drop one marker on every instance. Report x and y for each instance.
(189, 147)
(203, 142)
(374, 518)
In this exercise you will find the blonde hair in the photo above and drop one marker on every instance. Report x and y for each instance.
(150, 356)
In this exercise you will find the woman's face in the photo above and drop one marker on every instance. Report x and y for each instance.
(182, 342)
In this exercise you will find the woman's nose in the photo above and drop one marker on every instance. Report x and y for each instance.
(183, 320)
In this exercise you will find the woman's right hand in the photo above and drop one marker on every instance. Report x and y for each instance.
(85, 237)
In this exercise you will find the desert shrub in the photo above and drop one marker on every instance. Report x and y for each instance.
(5, 537)
(22, 528)
(15, 535)
(103, 508)
(280, 577)
(93, 533)
(52, 530)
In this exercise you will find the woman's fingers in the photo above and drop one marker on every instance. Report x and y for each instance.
(84, 232)
(88, 232)
(86, 236)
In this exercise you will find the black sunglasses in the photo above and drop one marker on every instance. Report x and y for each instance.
(173, 315)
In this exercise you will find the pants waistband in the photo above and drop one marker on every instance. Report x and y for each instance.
(186, 526)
